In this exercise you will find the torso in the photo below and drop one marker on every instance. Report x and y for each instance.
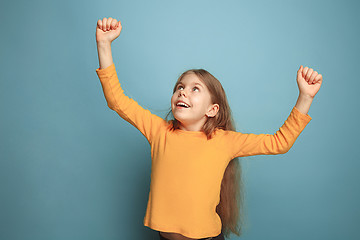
(175, 236)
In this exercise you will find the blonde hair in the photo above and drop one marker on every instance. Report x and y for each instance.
(230, 207)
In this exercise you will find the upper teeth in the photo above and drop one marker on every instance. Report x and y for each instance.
(183, 104)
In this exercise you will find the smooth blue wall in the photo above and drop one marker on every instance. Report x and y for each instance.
(72, 169)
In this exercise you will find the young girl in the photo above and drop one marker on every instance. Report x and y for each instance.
(194, 190)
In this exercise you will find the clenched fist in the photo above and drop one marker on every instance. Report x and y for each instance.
(309, 81)
(107, 30)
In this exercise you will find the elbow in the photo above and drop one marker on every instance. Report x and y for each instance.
(111, 106)
(285, 149)
(279, 147)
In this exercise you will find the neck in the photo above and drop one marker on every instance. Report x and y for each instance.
(195, 127)
(189, 128)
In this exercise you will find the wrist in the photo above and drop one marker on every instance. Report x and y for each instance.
(303, 103)
(103, 43)
(305, 96)
(104, 53)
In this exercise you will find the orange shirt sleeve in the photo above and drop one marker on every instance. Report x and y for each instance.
(242, 144)
(146, 122)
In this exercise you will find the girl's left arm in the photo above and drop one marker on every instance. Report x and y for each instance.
(241, 145)
(309, 83)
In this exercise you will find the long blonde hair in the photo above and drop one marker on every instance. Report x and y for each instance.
(230, 207)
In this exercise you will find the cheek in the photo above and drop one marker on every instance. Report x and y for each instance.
(198, 101)
(172, 100)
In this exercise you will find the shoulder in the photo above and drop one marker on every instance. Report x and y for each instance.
(221, 132)
(226, 134)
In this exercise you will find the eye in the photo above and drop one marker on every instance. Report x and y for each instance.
(179, 87)
(196, 88)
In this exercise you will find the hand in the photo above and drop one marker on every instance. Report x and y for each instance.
(309, 81)
(107, 30)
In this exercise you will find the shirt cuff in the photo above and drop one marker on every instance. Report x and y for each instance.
(301, 115)
(104, 71)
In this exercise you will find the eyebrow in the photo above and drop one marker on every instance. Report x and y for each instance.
(195, 84)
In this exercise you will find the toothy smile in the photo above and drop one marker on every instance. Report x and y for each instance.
(182, 104)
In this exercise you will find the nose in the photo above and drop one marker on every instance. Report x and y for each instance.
(181, 92)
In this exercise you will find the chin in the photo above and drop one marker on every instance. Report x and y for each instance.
(178, 119)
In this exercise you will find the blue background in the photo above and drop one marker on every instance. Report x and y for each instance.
(71, 168)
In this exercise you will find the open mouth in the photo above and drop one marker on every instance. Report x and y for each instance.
(182, 105)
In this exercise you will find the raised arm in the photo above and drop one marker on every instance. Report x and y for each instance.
(149, 124)
(309, 82)
(248, 144)
(107, 30)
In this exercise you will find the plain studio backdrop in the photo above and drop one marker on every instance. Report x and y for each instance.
(72, 169)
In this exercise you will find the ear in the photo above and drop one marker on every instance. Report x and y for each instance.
(213, 110)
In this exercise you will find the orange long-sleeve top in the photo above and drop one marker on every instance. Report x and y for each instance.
(187, 168)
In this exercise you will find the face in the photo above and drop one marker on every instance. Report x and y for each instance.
(196, 99)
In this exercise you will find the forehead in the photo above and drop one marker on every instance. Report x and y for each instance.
(191, 78)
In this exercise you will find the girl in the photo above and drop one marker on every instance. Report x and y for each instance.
(195, 172)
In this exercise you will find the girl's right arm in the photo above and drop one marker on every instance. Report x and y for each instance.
(107, 30)
(104, 54)
(147, 123)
